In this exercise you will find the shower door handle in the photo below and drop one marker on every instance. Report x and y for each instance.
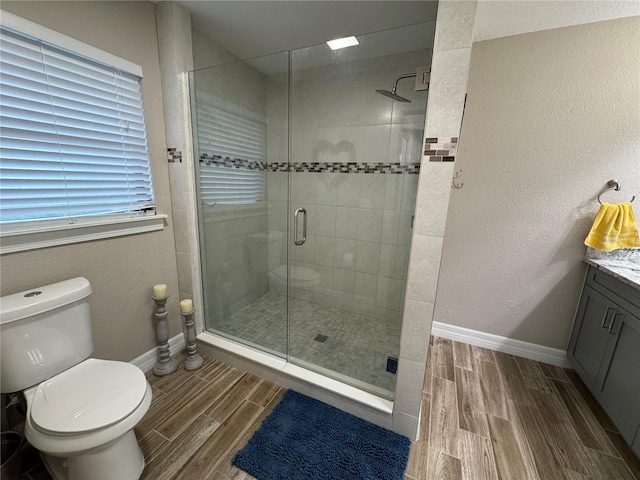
(295, 226)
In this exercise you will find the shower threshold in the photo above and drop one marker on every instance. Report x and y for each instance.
(354, 400)
(327, 372)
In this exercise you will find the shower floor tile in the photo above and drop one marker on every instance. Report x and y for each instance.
(356, 347)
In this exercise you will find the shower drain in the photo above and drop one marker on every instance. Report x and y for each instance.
(392, 365)
(321, 338)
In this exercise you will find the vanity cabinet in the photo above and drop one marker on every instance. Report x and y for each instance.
(605, 349)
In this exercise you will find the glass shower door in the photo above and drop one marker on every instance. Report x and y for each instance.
(306, 184)
(240, 128)
(355, 156)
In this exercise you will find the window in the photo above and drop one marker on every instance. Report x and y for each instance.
(232, 155)
(73, 143)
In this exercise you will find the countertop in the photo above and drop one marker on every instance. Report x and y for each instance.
(626, 271)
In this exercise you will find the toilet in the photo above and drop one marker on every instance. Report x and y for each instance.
(80, 410)
(298, 277)
(266, 247)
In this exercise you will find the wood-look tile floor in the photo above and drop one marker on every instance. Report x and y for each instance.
(489, 415)
(486, 415)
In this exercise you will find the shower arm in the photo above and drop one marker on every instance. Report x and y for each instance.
(395, 84)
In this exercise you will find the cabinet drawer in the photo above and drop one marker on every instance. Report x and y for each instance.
(612, 287)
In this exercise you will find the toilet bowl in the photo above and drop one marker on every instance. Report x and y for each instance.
(265, 249)
(81, 411)
(85, 414)
(298, 277)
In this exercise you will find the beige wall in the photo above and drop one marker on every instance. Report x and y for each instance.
(121, 270)
(550, 118)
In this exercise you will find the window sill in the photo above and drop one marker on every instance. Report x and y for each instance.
(51, 236)
(221, 213)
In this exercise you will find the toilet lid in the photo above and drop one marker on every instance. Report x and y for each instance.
(89, 396)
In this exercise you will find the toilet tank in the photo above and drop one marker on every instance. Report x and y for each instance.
(43, 331)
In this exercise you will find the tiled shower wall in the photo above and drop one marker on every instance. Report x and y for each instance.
(337, 115)
(235, 267)
(449, 71)
(359, 224)
(235, 275)
(359, 231)
(174, 44)
(448, 84)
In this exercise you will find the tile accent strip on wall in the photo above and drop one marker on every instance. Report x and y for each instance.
(308, 167)
(174, 155)
(441, 149)
(232, 162)
(351, 167)
(313, 167)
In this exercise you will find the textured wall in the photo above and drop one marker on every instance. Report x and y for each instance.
(550, 118)
(503, 19)
(121, 270)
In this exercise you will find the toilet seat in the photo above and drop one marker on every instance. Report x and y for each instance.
(63, 445)
(89, 396)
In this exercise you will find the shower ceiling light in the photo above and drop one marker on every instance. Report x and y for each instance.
(339, 43)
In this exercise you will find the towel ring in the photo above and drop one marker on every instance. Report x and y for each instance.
(613, 185)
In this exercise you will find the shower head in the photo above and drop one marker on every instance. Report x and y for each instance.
(393, 95)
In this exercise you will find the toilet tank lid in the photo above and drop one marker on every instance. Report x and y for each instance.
(42, 299)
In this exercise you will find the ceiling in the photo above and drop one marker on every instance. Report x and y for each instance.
(251, 29)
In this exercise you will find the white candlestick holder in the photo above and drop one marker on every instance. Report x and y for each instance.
(165, 363)
(194, 360)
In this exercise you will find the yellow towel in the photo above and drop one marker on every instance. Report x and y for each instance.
(614, 227)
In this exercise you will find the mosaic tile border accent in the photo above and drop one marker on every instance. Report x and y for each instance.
(232, 162)
(174, 155)
(351, 167)
(441, 149)
(312, 167)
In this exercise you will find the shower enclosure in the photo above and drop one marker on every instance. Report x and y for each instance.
(306, 182)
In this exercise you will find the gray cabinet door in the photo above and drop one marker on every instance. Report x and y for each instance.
(618, 384)
(590, 334)
(635, 446)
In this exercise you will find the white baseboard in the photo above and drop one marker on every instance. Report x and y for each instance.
(540, 353)
(147, 360)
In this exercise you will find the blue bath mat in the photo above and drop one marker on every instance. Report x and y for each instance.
(305, 439)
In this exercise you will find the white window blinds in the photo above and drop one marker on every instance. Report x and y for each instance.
(232, 151)
(72, 135)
